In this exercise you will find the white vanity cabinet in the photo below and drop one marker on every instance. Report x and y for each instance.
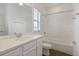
(31, 48)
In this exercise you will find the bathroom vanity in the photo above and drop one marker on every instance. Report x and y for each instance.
(27, 45)
(16, 19)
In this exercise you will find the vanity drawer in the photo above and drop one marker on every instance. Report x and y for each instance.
(29, 45)
(30, 52)
(15, 52)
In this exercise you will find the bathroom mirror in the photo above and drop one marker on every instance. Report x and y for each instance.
(15, 18)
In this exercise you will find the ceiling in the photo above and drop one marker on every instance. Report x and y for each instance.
(47, 7)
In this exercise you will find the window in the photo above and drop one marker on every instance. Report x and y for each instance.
(36, 20)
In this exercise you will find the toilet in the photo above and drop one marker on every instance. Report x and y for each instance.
(46, 47)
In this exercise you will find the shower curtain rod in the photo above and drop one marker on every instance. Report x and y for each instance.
(59, 12)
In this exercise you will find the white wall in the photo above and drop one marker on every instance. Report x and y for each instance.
(76, 29)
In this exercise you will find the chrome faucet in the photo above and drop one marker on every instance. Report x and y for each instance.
(18, 34)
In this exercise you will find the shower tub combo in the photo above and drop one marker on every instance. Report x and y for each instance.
(60, 45)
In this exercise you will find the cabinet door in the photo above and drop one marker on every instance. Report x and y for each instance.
(39, 47)
(30, 52)
(30, 45)
(16, 52)
(39, 51)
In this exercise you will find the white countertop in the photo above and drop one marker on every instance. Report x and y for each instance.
(8, 43)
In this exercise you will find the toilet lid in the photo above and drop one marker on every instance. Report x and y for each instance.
(46, 45)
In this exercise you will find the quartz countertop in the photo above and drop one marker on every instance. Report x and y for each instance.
(9, 43)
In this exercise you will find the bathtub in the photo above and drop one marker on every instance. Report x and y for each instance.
(62, 46)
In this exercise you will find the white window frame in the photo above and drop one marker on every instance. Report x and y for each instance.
(36, 15)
